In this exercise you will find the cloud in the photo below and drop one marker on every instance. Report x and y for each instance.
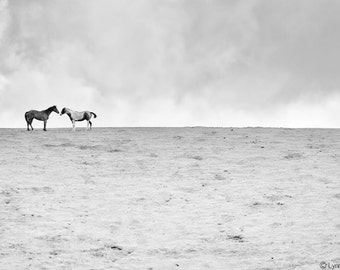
(169, 62)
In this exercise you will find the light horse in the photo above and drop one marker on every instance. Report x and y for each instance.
(39, 115)
(79, 116)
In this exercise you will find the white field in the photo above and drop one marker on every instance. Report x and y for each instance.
(169, 198)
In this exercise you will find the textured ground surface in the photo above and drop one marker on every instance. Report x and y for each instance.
(169, 198)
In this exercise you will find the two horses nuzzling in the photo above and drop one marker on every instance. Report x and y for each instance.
(44, 115)
(39, 115)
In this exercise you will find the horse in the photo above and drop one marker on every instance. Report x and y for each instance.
(39, 115)
(79, 116)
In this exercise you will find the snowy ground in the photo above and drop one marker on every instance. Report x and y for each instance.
(169, 198)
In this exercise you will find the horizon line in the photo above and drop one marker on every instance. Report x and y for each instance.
(226, 127)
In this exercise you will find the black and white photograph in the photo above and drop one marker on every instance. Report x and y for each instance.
(169, 134)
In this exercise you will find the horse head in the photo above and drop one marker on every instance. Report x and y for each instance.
(54, 108)
(64, 110)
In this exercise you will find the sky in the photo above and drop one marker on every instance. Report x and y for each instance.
(214, 63)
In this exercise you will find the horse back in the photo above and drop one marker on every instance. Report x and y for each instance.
(39, 115)
(30, 113)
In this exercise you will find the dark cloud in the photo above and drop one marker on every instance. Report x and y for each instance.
(171, 62)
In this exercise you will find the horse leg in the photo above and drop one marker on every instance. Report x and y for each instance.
(31, 124)
(87, 127)
(45, 125)
(27, 121)
(74, 125)
(90, 124)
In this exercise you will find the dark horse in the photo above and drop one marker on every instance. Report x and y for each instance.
(79, 116)
(39, 115)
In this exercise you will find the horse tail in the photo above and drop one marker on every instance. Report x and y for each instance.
(26, 116)
(95, 116)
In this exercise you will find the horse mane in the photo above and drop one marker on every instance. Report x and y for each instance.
(50, 108)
